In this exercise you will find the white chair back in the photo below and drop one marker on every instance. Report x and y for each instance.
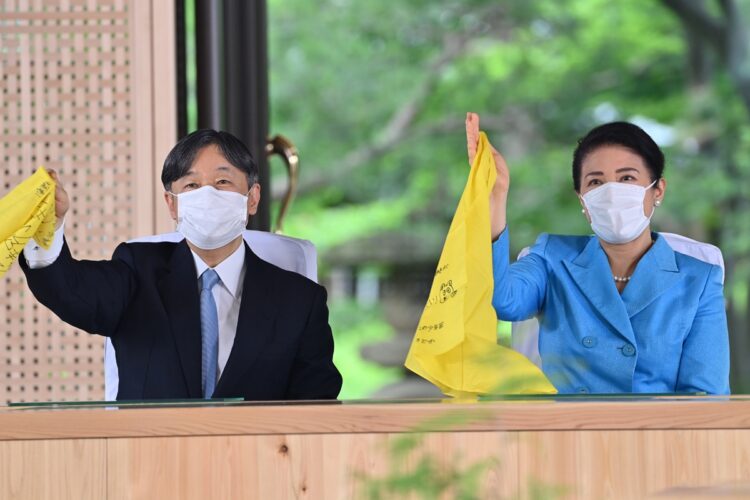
(288, 253)
(525, 334)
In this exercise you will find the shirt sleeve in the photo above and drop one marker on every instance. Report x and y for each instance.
(704, 365)
(314, 375)
(519, 288)
(89, 294)
(37, 257)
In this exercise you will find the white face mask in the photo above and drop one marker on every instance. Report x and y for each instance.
(616, 211)
(209, 218)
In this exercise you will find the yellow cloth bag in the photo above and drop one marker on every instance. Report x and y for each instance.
(28, 211)
(455, 345)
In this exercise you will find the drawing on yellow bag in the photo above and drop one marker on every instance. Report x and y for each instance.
(455, 345)
(27, 212)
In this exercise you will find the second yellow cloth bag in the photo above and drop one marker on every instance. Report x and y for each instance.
(455, 345)
(28, 211)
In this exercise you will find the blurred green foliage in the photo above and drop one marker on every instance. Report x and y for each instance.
(354, 326)
(415, 471)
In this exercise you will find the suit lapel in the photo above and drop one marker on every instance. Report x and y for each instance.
(179, 293)
(656, 272)
(591, 272)
(255, 322)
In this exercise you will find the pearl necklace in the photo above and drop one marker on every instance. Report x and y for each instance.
(622, 279)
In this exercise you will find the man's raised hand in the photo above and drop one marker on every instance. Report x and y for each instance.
(62, 201)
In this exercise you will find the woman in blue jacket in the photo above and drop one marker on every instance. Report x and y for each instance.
(619, 311)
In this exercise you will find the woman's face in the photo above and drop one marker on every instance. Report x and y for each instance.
(619, 164)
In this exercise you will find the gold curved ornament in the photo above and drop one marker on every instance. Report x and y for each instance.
(284, 148)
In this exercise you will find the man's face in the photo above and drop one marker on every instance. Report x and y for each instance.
(211, 168)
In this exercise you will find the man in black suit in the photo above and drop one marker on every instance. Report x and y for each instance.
(205, 317)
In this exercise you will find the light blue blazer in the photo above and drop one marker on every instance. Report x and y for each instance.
(666, 332)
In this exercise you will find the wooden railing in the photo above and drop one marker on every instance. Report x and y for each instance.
(592, 448)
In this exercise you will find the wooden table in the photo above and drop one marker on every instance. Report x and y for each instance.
(678, 447)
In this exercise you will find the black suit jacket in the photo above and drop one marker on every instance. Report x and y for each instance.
(147, 300)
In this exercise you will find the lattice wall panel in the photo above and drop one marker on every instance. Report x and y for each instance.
(65, 102)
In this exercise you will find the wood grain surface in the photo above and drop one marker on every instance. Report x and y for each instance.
(254, 419)
(666, 447)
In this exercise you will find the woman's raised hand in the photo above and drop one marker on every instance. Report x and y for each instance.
(472, 135)
(499, 195)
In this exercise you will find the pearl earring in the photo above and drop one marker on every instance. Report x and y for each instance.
(657, 203)
(583, 210)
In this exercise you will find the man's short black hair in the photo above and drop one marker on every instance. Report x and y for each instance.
(623, 134)
(181, 158)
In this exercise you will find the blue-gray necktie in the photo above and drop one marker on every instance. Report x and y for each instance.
(209, 332)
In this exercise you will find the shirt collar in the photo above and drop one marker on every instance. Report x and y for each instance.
(229, 270)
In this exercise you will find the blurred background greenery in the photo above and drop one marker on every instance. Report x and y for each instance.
(374, 94)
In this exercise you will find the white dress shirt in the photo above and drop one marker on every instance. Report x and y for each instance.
(227, 293)
(37, 257)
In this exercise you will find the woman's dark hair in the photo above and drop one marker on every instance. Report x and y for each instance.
(181, 158)
(622, 134)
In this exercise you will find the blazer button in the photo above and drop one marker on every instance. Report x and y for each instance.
(589, 342)
(628, 350)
